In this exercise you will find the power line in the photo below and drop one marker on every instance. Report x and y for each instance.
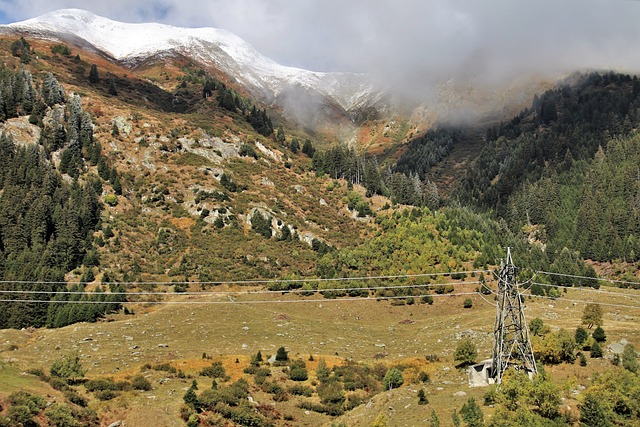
(260, 281)
(589, 278)
(581, 289)
(349, 299)
(582, 301)
(262, 291)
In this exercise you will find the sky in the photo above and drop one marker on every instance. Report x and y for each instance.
(404, 41)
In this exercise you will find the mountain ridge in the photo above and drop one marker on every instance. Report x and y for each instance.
(131, 44)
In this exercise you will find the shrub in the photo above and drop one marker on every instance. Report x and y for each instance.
(468, 303)
(20, 415)
(630, 358)
(140, 383)
(466, 352)
(38, 373)
(298, 374)
(110, 199)
(32, 402)
(427, 299)
(61, 416)
(301, 390)
(101, 384)
(423, 377)
(106, 394)
(59, 384)
(73, 397)
(581, 335)
(165, 367)
(247, 150)
(216, 370)
(535, 326)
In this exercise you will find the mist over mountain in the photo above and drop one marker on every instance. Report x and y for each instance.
(465, 62)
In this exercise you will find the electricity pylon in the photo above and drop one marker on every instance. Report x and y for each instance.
(512, 346)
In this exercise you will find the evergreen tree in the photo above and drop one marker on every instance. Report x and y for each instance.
(581, 336)
(282, 355)
(93, 74)
(435, 421)
(599, 334)
(21, 49)
(308, 148)
(294, 145)
(592, 413)
(596, 350)
(472, 414)
(630, 358)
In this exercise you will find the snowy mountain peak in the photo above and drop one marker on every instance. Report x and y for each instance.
(274, 83)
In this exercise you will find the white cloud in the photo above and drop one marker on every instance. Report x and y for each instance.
(405, 41)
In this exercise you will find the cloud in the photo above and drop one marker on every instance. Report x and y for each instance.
(403, 42)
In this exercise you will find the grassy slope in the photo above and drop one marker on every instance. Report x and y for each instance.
(334, 329)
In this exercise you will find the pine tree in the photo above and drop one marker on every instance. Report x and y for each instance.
(592, 413)
(435, 421)
(472, 414)
(93, 74)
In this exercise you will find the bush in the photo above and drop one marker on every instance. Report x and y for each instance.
(466, 352)
(298, 374)
(630, 358)
(140, 383)
(110, 199)
(61, 416)
(423, 377)
(32, 402)
(216, 370)
(535, 326)
(427, 299)
(20, 415)
(468, 303)
(106, 394)
(301, 390)
(101, 384)
(165, 367)
(73, 397)
(422, 397)
(247, 150)
(59, 384)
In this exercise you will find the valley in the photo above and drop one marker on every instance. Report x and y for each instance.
(192, 234)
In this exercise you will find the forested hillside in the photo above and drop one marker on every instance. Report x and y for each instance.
(46, 222)
(564, 171)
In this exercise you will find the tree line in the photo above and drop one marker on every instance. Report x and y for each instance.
(342, 162)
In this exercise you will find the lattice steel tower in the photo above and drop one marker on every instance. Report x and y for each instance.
(512, 346)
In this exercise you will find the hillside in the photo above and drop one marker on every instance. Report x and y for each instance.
(164, 231)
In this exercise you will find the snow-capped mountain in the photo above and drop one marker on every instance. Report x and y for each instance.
(272, 82)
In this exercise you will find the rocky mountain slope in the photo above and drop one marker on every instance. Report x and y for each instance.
(133, 44)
